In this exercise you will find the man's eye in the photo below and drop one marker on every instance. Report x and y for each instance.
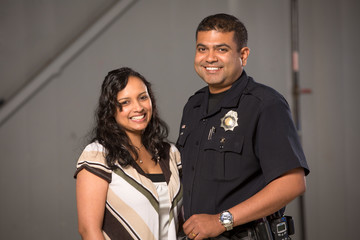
(201, 49)
(223, 50)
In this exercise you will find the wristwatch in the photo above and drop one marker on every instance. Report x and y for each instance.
(226, 219)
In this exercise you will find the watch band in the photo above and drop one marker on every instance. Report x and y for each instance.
(226, 219)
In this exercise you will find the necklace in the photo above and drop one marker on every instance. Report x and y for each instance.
(138, 149)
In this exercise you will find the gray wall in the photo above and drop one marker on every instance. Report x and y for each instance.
(329, 61)
(40, 143)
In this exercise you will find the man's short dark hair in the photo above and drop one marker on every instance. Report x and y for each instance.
(225, 23)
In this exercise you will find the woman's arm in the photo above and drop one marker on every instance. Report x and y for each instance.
(91, 192)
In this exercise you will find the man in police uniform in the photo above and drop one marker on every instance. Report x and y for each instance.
(241, 156)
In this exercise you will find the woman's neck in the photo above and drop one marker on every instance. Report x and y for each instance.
(135, 140)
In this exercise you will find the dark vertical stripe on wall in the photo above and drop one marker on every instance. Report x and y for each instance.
(294, 13)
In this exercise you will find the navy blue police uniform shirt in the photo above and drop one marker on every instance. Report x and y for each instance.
(236, 149)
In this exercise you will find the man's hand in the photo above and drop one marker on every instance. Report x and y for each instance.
(202, 226)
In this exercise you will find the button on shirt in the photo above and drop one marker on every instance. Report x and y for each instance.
(236, 149)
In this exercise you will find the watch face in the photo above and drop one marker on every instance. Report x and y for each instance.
(226, 218)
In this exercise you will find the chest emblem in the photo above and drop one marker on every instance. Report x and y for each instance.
(229, 121)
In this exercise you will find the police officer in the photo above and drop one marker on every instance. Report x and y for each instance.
(241, 156)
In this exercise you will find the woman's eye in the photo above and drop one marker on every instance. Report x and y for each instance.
(124, 103)
(144, 97)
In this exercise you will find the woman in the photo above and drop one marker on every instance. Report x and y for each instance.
(128, 183)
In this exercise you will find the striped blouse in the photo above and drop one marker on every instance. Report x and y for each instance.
(132, 203)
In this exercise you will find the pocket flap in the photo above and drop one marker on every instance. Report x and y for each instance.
(226, 143)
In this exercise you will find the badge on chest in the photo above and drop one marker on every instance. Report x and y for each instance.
(229, 121)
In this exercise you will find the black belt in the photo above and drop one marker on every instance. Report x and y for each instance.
(238, 233)
(271, 227)
(261, 229)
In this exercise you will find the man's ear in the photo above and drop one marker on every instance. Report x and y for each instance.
(245, 51)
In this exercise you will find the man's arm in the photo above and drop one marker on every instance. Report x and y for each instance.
(270, 199)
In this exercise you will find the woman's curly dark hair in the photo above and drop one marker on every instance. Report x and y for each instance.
(112, 136)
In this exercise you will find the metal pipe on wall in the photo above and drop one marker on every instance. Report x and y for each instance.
(296, 91)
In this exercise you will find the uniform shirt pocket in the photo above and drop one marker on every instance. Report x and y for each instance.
(223, 157)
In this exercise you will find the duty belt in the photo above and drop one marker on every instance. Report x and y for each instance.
(273, 227)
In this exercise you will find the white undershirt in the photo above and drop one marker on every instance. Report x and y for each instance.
(164, 205)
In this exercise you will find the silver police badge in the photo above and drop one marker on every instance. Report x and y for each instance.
(229, 121)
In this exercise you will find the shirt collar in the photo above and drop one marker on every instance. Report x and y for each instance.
(230, 100)
(232, 97)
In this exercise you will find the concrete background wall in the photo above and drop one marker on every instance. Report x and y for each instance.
(41, 142)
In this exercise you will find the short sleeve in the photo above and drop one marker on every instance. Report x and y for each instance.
(278, 146)
(92, 159)
(175, 156)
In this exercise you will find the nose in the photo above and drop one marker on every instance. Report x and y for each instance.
(138, 107)
(211, 57)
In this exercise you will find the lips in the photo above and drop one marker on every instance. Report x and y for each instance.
(212, 68)
(140, 117)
